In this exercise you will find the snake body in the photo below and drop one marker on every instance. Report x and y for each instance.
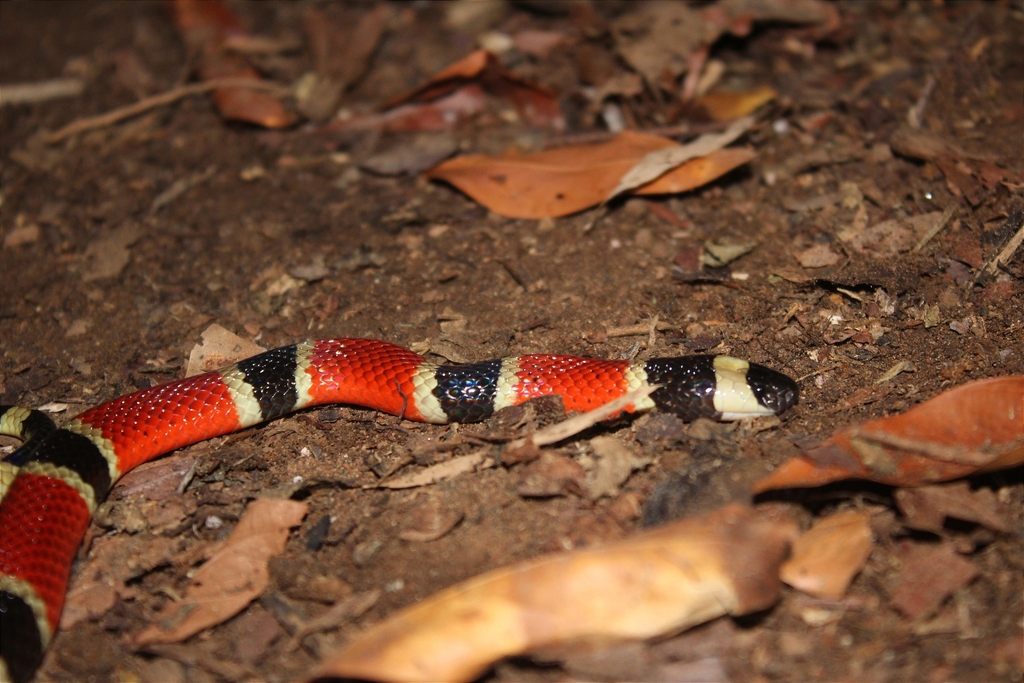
(51, 485)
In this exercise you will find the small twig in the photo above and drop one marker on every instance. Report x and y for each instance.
(648, 328)
(40, 91)
(164, 98)
(1011, 246)
(515, 274)
(576, 424)
(915, 114)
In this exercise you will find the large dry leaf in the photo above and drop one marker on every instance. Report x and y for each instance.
(233, 577)
(565, 180)
(656, 583)
(978, 427)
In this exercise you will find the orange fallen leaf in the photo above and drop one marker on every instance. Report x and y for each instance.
(977, 427)
(205, 26)
(565, 180)
(659, 582)
(827, 557)
(233, 577)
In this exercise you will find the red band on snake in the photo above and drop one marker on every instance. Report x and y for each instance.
(51, 485)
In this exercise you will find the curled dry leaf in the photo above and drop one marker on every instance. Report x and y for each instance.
(565, 180)
(233, 577)
(978, 427)
(827, 557)
(659, 582)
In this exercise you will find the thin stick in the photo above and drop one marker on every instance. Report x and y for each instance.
(40, 91)
(1011, 246)
(164, 98)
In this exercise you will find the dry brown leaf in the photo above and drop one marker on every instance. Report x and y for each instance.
(660, 39)
(443, 113)
(429, 520)
(927, 507)
(565, 180)
(552, 474)
(615, 462)
(827, 557)
(928, 575)
(818, 256)
(107, 256)
(220, 347)
(435, 473)
(233, 577)
(341, 48)
(113, 562)
(538, 106)
(659, 582)
(977, 427)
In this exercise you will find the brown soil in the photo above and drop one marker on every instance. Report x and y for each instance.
(475, 285)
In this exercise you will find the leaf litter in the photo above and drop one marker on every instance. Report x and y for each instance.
(233, 576)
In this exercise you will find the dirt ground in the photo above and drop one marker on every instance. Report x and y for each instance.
(279, 237)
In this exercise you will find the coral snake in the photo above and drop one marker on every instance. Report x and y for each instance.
(50, 486)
